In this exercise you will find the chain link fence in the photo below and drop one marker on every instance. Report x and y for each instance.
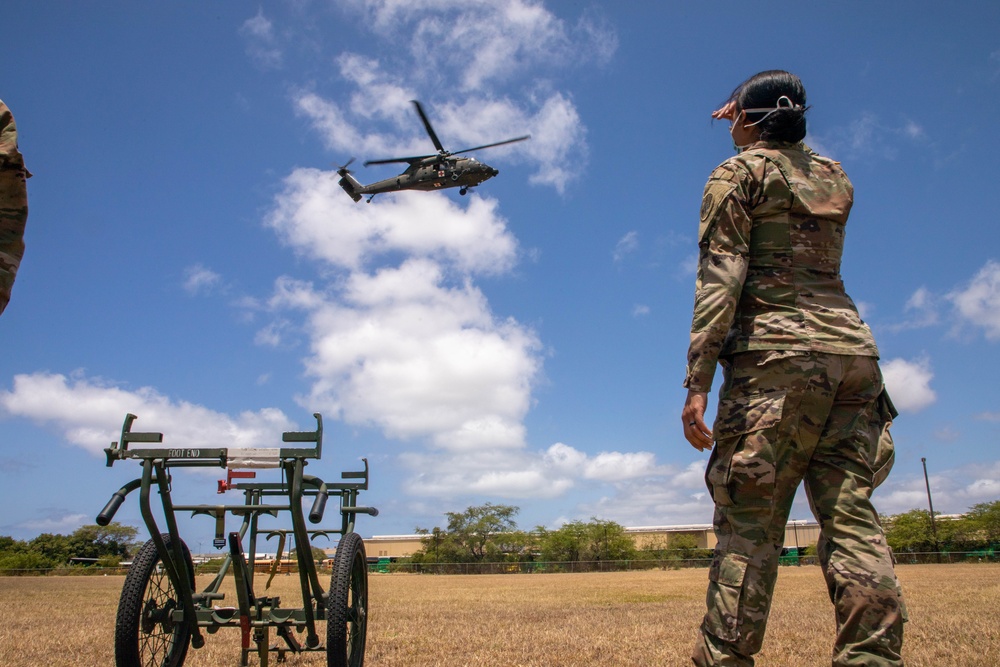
(386, 566)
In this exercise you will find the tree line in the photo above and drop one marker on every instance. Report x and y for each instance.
(106, 545)
(914, 532)
(489, 534)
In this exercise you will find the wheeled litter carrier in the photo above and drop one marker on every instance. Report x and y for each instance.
(160, 613)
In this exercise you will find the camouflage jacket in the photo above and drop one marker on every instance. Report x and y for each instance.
(9, 155)
(13, 204)
(770, 243)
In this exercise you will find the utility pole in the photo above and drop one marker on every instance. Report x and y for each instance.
(798, 553)
(930, 504)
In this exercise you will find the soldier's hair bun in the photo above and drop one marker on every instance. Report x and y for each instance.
(761, 93)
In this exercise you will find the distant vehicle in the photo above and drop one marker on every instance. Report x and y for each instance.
(427, 172)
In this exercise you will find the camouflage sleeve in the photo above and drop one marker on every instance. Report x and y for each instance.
(723, 245)
(13, 204)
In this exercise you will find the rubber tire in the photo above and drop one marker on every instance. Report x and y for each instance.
(347, 605)
(136, 646)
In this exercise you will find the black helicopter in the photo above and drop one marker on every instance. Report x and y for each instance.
(427, 172)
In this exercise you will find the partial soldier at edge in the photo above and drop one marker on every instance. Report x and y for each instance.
(13, 204)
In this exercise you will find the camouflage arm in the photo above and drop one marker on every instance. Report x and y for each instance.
(724, 237)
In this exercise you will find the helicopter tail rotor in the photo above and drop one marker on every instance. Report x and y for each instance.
(343, 169)
(348, 182)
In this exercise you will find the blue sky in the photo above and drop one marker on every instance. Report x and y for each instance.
(191, 259)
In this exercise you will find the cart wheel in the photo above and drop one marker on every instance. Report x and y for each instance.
(347, 605)
(145, 634)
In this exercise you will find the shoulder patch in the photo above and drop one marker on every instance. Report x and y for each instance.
(716, 192)
(706, 205)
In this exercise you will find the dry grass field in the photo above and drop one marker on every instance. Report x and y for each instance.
(541, 620)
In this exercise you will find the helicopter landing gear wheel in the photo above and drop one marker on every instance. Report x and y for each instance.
(145, 632)
(347, 605)
(463, 191)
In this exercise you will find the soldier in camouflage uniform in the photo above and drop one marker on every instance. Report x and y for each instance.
(802, 397)
(13, 204)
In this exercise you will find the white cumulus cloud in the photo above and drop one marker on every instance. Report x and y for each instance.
(528, 474)
(316, 218)
(869, 136)
(497, 41)
(955, 489)
(626, 245)
(909, 383)
(199, 279)
(261, 42)
(519, 46)
(978, 302)
(403, 339)
(620, 466)
(90, 413)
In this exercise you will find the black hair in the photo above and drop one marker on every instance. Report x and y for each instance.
(762, 91)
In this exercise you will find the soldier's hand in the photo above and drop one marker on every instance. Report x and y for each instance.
(727, 112)
(693, 418)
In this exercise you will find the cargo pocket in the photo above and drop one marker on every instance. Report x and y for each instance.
(885, 452)
(725, 596)
(742, 467)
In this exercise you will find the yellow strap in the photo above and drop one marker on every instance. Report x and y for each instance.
(277, 560)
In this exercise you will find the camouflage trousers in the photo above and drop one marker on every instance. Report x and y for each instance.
(786, 417)
(13, 215)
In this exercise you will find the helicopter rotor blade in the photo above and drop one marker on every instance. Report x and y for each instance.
(344, 167)
(442, 153)
(499, 143)
(427, 126)
(409, 160)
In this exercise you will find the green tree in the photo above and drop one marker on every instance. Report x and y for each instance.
(564, 544)
(24, 562)
(683, 542)
(8, 545)
(514, 545)
(684, 546)
(93, 541)
(595, 540)
(54, 549)
(475, 529)
(436, 547)
(912, 531)
(480, 533)
(90, 541)
(909, 531)
(109, 561)
(984, 520)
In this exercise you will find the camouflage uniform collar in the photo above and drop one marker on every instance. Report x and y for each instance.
(780, 145)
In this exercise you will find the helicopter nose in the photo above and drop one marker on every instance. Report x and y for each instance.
(494, 172)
